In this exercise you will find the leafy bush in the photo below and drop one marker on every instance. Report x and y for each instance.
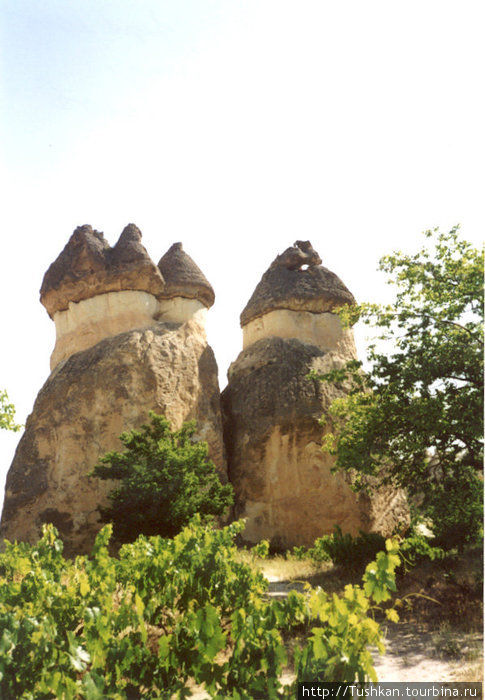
(328, 657)
(456, 510)
(165, 479)
(320, 552)
(299, 553)
(416, 548)
(169, 614)
(353, 553)
(415, 417)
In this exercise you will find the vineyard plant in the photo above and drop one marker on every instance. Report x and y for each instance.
(169, 615)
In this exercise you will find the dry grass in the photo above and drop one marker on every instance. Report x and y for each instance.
(470, 671)
(277, 568)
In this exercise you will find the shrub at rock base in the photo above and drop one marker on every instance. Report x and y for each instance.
(164, 479)
(353, 553)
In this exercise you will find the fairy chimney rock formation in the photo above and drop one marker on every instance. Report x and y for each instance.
(93, 291)
(187, 293)
(129, 341)
(272, 410)
(297, 298)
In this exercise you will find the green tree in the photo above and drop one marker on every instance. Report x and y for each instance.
(416, 414)
(7, 413)
(164, 480)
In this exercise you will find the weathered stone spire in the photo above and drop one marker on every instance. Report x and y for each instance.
(88, 266)
(183, 278)
(283, 482)
(124, 347)
(297, 298)
(297, 281)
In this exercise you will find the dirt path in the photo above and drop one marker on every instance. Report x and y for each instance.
(412, 655)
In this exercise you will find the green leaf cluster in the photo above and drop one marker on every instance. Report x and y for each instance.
(352, 553)
(7, 413)
(415, 418)
(416, 548)
(168, 615)
(338, 649)
(164, 479)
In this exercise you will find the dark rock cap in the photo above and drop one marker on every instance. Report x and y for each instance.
(297, 281)
(183, 278)
(88, 266)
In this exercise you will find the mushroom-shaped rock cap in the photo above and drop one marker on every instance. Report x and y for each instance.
(296, 280)
(183, 278)
(88, 266)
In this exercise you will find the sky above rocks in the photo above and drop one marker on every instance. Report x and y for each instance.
(236, 128)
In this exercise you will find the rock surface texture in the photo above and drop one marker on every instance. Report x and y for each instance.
(88, 266)
(93, 291)
(98, 392)
(296, 281)
(281, 477)
(183, 278)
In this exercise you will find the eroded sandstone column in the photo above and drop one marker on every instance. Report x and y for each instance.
(130, 338)
(272, 411)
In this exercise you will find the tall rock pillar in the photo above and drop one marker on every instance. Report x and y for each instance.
(130, 338)
(272, 411)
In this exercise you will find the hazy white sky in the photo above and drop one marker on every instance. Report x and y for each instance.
(237, 128)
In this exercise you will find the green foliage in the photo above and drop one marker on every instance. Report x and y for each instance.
(338, 649)
(168, 614)
(300, 553)
(342, 549)
(320, 551)
(416, 417)
(455, 506)
(352, 553)
(261, 549)
(164, 480)
(7, 413)
(417, 548)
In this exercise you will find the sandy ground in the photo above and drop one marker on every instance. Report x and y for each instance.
(411, 655)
